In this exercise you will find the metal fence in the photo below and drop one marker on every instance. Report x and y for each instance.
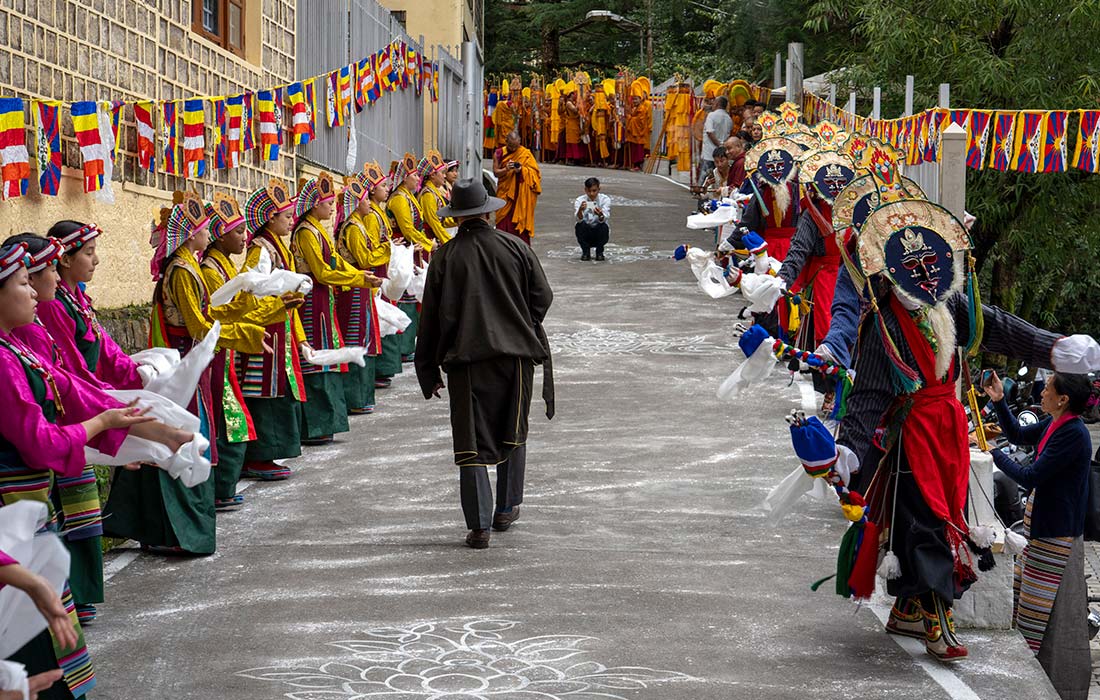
(331, 34)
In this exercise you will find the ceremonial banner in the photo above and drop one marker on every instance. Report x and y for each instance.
(47, 120)
(269, 136)
(384, 69)
(221, 134)
(412, 69)
(401, 64)
(86, 127)
(310, 87)
(235, 107)
(1004, 123)
(977, 136)
(280, 122)
(248, 124)
(13, 147)
(435, 82)
(1026, 141)
(194, 138)
(116, 123)
(934, 125)
(373, 82)
(345, 89)
(1086, 156)
(360, 82)
(1053, 154)
(146, 134)
(299, 120)
(335, 117)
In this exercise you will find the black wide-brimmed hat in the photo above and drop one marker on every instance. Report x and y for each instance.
(469, 198)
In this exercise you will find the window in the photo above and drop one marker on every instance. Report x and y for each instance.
(220, 21)
(401, 17)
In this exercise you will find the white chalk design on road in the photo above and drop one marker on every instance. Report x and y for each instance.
(472, 662)
(605, 341)
(615, 253)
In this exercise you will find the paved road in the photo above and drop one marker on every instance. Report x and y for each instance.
(641, 569)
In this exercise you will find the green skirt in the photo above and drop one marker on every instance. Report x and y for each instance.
(359, 385)
(86, 569)
(389, 362)
(227, 472)
(151, 507)
(408, 336)
(325, 411)
(278, 428)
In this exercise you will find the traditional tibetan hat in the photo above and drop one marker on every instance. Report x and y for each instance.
(827, 172)
(790, 115)
(526, 92)
(430, 164)
(862, 196)
(775, 158)
(559, 85)
(265, 203)
(400, 169)
(608, 86)
(504, 86)
(711, 87)
(771, 125)
(570, 88)
(807, 141)
(314, 191)
(354, 192)
(830, 137)
(225, 215)
(12, 258)
(47, 256)
(739, 92)
(175, 226)
(373, 175)
(79, 237)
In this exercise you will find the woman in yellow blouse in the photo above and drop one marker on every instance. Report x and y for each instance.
(433, 196)
(236, 426)
(326, 411)
(408, 221)
(379, 237)
(150, 506)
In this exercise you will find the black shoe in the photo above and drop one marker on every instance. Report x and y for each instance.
(600, 257)
(477, 539)
(585, 256)
(317, 441)
(503, 521)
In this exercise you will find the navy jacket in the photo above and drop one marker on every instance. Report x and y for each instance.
(1059, 476)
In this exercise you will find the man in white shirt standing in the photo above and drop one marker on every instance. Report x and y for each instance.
(716, 130)
(593, 209)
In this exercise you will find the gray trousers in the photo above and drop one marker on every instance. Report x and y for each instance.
(477, 495)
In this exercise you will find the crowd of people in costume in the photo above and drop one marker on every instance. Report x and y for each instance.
(605, 123)
(854, 275)
(264, 372)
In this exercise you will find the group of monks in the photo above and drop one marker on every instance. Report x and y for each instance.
(607, 123)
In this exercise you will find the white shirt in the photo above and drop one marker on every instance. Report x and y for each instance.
(602, 201)
(720, 124)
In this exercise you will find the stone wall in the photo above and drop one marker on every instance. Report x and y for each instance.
(131, 50)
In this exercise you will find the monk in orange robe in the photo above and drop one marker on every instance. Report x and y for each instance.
(574, 151)
(504, 117)
(639, 126)
(519, 183)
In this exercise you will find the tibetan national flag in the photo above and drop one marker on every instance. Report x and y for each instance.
(310, 87)
(47, 118)
(931, 151)
(418, 74)
(1086, 156)
(116, 123)
(280, 111)
(194, 138)
(1052, 157)
(977, 136)
(269, 136)
(332, 99)
(384, 69)
(234, 107)
(248, 124)
(1027, 140)
(373, 83)
(1004, 124)
(86, 126)
(299, 119)
(13, 147)
(345, 88)
(146, 135)
(221, 134)
(171, 161)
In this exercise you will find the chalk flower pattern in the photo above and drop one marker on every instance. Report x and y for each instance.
(473, 661)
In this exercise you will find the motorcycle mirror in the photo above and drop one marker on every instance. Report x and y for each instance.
(1027, 418)
(1022, 372)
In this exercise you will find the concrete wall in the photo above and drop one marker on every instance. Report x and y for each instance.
(131, 50)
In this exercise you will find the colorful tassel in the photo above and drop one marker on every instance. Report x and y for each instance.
(890, 568)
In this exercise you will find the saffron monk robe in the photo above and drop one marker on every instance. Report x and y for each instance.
(325, 412)
(519, 184)
(408, 220)
(236, 426)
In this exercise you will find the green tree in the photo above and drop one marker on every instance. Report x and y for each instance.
(1037, 235)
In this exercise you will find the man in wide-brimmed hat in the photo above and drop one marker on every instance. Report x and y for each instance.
(481, 322)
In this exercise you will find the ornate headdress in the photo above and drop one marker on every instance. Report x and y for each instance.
(354, 192)
(266, 202)
(775, 158)
(16, 258)
(400, 169)
(45, 257)
(79, 237)
(175, 226)
(373, 175)
(827, 172)
(314, 191)
(225, 215)
(430, 164)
